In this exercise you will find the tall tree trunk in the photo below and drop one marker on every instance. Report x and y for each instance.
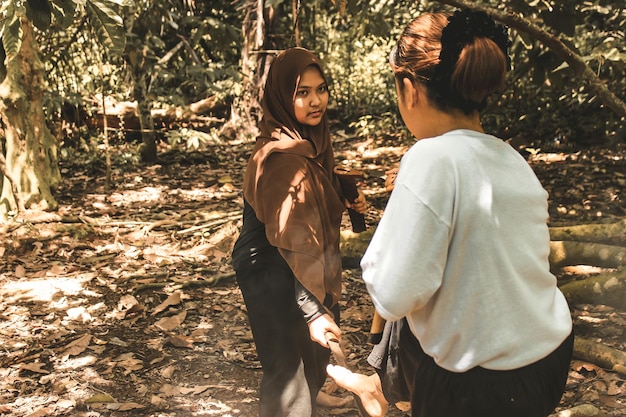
(146, 123)
(295, 8)
(31, 168)
(255, 62)
(136, 58)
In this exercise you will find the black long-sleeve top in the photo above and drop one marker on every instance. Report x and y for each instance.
(252, 250)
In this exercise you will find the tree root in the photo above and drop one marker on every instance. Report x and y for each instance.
(599, 354)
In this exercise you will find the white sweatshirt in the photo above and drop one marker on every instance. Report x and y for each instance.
(462, 252)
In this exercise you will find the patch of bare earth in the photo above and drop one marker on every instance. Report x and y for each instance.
(124, 302)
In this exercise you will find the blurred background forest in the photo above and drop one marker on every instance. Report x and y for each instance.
(190, 73)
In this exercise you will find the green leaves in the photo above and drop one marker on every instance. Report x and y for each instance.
(12, 37)
(107, 24)
(103, 16)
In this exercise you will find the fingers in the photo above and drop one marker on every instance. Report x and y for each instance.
(366, 387)
(359, 204)
(391, 179)
(343, 377)
(320, 326)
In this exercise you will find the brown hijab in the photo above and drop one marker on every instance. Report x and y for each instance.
(290, 184)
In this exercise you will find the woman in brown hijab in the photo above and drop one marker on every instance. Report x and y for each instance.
(287, 256)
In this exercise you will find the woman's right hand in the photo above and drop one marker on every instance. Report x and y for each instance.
(319, 326)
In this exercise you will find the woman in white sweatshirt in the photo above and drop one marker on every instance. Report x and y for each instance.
(458, 266)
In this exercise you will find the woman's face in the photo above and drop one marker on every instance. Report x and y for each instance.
(311, 97)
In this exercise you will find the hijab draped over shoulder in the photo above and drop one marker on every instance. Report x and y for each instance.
(290, 184)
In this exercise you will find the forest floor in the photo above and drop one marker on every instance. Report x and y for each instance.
(123, 303)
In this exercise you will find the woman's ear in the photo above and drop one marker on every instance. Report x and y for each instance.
(410, 95)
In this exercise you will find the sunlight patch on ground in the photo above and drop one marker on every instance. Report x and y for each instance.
(211, 407)
(145, 194)
(45, 289)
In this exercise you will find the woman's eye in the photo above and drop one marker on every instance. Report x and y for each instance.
(323, 89)
(301, 93)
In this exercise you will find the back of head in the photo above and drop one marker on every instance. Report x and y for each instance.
(460, 58)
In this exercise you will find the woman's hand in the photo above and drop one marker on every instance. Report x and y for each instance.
(391, 179)
(359, 204)
(368, 388)
(320, 325)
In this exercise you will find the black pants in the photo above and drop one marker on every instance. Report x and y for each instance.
(409, 374)
(294, 367)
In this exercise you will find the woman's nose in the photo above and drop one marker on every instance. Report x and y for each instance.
(315, 100)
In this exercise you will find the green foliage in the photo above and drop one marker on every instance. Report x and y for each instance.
(376, 126)
(543, 101)
(191, 53)
(191, 138)
(107, 23)
(103, 15)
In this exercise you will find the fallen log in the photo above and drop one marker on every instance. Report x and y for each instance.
(600, 354)
(607, 288)
(584, 410)
(125, 115)
(610, 233)
(562, 253)
(566, 252)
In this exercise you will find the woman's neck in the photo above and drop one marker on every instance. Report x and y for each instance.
(443, 122)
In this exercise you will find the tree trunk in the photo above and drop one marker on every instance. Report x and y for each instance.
(564, 253)
(146, 124)
(125, 115)
(610, 234)
(599, 354)
(256, 58)
(608, 288)
(31, 168)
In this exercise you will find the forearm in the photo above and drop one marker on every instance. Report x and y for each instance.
(309, 305)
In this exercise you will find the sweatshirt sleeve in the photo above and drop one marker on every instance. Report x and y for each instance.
(404, 264)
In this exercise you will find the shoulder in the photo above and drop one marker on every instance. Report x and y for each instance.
(433, 151)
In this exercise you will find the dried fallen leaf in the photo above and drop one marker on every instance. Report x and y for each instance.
(100, 398)
(116, 406)
(158, 401)
(40, 413)
(172, 300)
(195, 390)
(180, 341)
(127, 306)
(616, 388)
(170, 323)
(78, 346)
(34, 367)
(20, 271)
(169, 390)
(168, 371)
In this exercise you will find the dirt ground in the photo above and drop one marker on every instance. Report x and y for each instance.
(124, 304)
